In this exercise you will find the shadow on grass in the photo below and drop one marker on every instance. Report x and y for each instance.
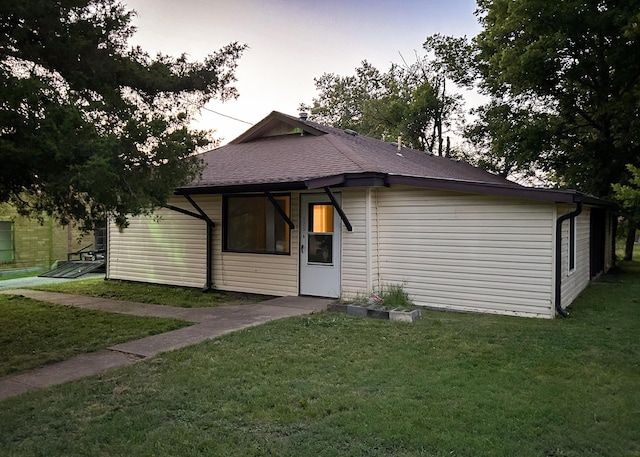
(158, 294)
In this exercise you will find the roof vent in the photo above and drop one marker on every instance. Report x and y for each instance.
(303, 116)
(350, 132)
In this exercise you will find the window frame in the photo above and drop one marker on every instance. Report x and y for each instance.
(12, 242)
(276, 216)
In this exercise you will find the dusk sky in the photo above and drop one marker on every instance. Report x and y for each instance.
(291, 42)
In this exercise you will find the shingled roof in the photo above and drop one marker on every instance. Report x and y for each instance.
(282, 152)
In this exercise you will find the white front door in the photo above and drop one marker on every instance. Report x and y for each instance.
(319, 246)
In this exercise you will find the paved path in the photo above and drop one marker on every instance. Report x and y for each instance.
(208, 323)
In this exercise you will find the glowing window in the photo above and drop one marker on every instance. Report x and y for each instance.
(321, 218)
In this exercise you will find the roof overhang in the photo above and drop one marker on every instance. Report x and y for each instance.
(387, 180)
(513, 191)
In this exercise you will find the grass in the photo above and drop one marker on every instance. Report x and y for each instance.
(36, 333)
(331, 384)
(6, 275)
(153, 293)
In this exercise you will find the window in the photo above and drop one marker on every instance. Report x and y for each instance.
(572, 244)
(6, 242)
(320, 233)
(253, 224)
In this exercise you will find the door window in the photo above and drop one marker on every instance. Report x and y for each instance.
(320, 233)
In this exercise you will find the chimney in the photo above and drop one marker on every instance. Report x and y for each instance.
(303, 116)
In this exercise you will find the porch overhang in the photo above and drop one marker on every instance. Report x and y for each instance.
(375, 179)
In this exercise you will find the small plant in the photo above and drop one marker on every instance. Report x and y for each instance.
(395, 297)
(391, 296)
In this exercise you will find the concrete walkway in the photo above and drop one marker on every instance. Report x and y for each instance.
(208, 323)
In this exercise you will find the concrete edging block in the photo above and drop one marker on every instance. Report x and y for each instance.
(379, 313)
(356, 310)
(404, 316)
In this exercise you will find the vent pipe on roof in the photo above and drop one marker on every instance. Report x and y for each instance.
(399, 143)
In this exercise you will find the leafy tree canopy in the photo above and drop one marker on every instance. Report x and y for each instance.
(628, 196)
(409, 100)
(90, 127)
(574, 68)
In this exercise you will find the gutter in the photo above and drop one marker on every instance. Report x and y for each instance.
(210, 226)
(558, 281)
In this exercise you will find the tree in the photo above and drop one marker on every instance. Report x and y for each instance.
(90, 127)
(628, 196)
(411, 100)
(510, 138)
(576, 65)
(341, 100)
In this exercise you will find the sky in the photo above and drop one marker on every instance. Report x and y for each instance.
(291, 42)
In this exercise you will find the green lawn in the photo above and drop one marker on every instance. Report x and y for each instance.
(185, 297)
(334, 385)
(6, 275)
(33, 333)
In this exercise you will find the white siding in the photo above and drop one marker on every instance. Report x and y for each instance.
(360, 262)
(450, 250)
(575, 281)
(166, 248)
(355, 254)
(269, 274)
(170, 248)
(467, 252)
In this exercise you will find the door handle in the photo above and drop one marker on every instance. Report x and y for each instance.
(302, 248)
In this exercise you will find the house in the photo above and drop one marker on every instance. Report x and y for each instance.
(30, 244)
(295, 208)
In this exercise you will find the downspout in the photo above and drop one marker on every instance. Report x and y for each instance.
(558, 284)
(210, 226)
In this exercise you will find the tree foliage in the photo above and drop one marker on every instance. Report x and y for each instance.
(628, 196)
(575, 66)
(510, 138)
(90, 127)
(409, 100)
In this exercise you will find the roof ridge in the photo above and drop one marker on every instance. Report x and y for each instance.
(348, 152)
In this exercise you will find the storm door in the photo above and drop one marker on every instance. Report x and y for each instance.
(319, 246)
